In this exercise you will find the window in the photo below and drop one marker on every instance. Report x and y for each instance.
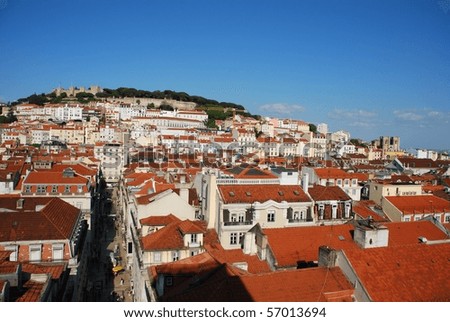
(406, 218)
(67, 189)
(54, 189)
(80, 188)
(334, 211)
(346, 181)
(193, 238)
(130, 248)
(35, 253)
(321, 211)
(41, 189)
(417, 217)
(15, 250)
(296, 215)
(175, 256)
(233, 217)
(169, 280)
(354, 182)
(271, 216)
(58, 252)
(233, 238)
(241, 217)
(27, 188)
(241, 238)
(157, 257)
(437, 217)
(447, 218)
(339, 182)
(302, 215)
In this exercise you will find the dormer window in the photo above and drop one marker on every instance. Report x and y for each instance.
(193, 238)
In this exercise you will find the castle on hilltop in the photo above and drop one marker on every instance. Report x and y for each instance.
(73, 91)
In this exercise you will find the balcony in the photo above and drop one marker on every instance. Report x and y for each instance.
(238, 223)
(298, 220)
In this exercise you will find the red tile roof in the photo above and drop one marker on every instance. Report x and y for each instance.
(294, 244)
(55, 221)
(231, 256)
(246, 171)
(32, 291)
(410, 273)
(325, 193)
(291, 245)
(9, 202)
(363, 210)
(54, 270)
(261, 193)
(405, 233)
(168, 237)
(38, 177)
(7, 267)
(420, 204)
(229, 284)
(334, 173)
(159, 220)
(4, 255)
(305, 285)
(192, 227)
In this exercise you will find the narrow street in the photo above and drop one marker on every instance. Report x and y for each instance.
(108, 279)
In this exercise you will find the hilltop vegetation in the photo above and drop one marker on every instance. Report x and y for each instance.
(123, 92)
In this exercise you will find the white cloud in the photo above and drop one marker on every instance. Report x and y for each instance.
(355, 114)
(281, 108)
(409, 115)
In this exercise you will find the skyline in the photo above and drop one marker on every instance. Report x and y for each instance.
(369, 68)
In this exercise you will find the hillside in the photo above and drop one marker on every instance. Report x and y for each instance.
(126, 92)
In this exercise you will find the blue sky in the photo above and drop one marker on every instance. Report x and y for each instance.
(370, 67)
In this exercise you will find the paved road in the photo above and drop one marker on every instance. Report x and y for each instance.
(103, 284)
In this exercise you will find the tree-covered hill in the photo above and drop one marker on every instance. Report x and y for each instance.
(122, 92)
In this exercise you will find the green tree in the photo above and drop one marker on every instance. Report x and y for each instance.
(312, 128)
(166, 107)
(37, 99)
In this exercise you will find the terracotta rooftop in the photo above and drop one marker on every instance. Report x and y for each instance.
(245, 171)
(364, 211)
(420, 204)
(32, 291)
(409, 273)
(159, 220)
(54, 270)
(231, 256)
(168, 237)
(293, 245)
(55, 221)
(324, 193)
(301, 244)
(38, 177)
(333, 173)
(261, 193)
(192, 227)
(230, 284)
(9, 202)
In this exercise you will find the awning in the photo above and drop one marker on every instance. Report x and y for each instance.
(117, 269)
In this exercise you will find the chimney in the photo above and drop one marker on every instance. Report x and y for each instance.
(327, 257)
(305, 182)
(19, 203)
(423, 240)
(370, 235)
